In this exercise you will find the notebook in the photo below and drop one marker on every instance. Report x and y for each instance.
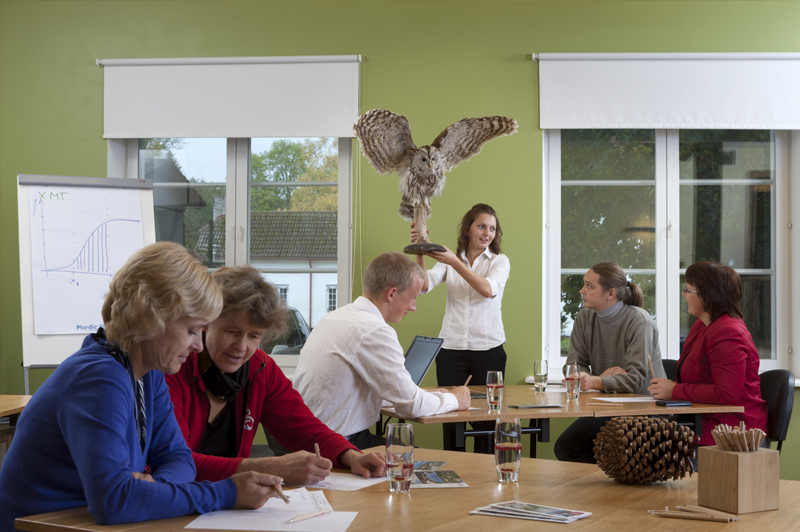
(420, 355)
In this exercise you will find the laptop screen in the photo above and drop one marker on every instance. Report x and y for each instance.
(420, 356)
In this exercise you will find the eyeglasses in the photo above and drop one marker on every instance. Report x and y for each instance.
(687, 291)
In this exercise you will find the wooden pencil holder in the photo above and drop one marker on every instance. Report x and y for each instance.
(738, 482)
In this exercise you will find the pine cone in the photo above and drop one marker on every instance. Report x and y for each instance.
(638, 450)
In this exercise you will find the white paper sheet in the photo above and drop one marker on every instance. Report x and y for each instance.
(273, 516)
(75, 250)
(345, 482)
(626, 399)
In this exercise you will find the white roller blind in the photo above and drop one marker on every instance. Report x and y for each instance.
(663, 91)
(311, 96)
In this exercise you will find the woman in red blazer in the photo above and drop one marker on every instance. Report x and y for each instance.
(221, 394)
(719, 363)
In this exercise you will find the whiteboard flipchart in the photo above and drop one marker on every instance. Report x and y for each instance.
(74, 234)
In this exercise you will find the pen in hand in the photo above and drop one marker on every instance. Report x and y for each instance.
(279, 491)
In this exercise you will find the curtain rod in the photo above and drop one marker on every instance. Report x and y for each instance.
(666, 56)
(230, 60)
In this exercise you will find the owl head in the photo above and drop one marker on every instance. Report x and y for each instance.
(426, 162)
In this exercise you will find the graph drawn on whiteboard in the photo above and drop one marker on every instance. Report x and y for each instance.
(80, 237)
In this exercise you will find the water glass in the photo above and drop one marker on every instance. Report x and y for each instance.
(507, 448)
(540, 375)
(399, 456)
(494, 390)
(573, 381)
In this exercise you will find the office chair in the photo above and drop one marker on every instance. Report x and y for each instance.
(670, 368)
(777, 389)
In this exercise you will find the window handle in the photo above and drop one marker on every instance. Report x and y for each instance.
(241, 232)
(669, 229)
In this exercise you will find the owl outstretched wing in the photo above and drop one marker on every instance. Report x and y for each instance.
(466, 137)
(385, 139)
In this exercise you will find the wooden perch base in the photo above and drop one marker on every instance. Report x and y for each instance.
(421, 249)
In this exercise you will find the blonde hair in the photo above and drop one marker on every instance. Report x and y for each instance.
(391, 270)
(245, 290)
(159, 284)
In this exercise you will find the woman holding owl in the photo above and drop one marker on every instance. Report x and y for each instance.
(472, 327)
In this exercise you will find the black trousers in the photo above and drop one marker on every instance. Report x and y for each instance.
(365, 439)
(576, 443)
(453, 368)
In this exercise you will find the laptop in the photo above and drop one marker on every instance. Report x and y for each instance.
(420, 355)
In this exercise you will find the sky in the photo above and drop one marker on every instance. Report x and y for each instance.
(204, 159)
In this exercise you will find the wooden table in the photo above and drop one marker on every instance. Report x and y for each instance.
(12, 406)
(615, 506)
(539, 418)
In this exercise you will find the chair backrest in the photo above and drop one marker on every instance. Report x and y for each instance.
(777, 389)
(670, 368)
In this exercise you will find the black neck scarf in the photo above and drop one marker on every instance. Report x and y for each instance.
(224, 386)
(137, 385)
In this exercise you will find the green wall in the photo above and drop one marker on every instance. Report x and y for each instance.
(435, 62)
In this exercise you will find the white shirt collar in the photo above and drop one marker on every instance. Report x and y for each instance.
(486, 252)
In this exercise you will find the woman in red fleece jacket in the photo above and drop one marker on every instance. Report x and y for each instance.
(719, 363)
(221, 394)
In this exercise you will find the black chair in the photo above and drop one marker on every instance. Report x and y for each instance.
(670, 368)
(777, 389)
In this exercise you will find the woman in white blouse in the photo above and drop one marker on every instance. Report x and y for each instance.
(472, 328)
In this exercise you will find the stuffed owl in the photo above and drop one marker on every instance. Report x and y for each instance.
(385, 139)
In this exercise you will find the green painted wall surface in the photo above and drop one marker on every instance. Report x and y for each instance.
(435, 62)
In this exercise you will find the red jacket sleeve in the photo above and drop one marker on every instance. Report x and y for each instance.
(289, 420)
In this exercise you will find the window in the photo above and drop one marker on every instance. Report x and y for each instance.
(331, 298)
(656, 201)
(189, 192)
(293, 218)
(272, 203)
(608, 209)
(283, 291)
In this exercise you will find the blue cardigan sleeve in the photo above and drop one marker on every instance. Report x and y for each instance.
(169, 458)
(97, 422)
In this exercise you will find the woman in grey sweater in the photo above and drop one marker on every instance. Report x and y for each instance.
(613, 342)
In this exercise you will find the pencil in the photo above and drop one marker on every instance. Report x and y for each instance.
(316, 449)
(604, 404)
(279, 491)
(468, 379)
(706, 511)
(309, 516)
(652, 372)
(687, 515)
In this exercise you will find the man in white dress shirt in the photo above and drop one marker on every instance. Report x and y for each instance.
(352, 361)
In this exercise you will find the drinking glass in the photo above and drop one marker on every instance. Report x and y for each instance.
(494, 390)
(540, 375)
(399, 456)
(573, 381)
(507, 448)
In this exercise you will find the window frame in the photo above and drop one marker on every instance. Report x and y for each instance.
(667, 182)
